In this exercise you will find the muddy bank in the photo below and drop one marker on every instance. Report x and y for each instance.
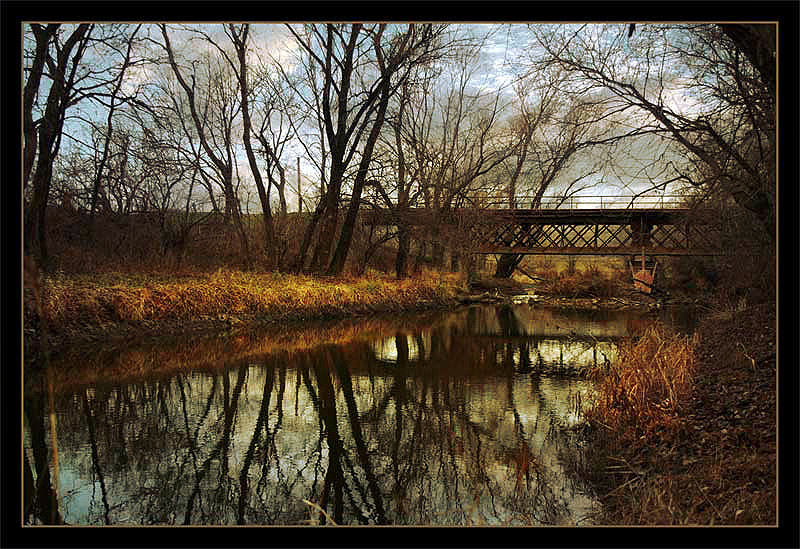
(719, 464)
(87, 332)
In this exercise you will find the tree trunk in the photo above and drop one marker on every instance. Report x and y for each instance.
(232, 206)
(300, 261)
(507, 264)
(240, 42)
(346, 237)
(403, 246)
(330, 220)
(46, 494)
(43, 37)
(35, 238)
(49, 139)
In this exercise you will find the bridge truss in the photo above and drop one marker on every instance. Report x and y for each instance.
(559, 231)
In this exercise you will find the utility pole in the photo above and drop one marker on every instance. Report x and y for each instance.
(299, 194)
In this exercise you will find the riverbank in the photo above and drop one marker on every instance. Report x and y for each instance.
(112, 307)
(115, 306)
(609, 295)
(716, 465)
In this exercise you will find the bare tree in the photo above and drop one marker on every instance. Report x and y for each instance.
(75, 64)
(126, 62)
(218, 145)
(403, 188)
(453, 138)
(62, 58)
(43, 36)
(689, 84)
(239, 37)
(361, 68)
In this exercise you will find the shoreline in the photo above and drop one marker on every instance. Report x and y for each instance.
(120, 332)
(116, 307)
(92, 317)
(719, 466)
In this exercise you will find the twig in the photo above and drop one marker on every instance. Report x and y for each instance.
(699, 488)
(744, 352)
(320, 509)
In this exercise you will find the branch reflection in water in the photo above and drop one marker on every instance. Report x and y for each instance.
(456, 420)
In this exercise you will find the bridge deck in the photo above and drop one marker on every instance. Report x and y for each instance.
(578, 216)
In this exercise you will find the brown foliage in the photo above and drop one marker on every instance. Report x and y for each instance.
(590, 282)
(646, 388)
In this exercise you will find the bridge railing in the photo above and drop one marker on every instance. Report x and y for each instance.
(606, 202)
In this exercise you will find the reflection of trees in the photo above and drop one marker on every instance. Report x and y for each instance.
(248, 459)
(41, 498)
(90, 426)
(442, 439)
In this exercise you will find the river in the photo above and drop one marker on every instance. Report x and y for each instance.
(447, 418)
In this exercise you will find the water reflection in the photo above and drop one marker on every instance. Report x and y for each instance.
(455, 422)
(518, 337)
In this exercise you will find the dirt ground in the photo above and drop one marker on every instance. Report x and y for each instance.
(732, 416)
(720, 466)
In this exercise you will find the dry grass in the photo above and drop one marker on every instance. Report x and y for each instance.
(686, 431)
(592, 281)
(644, 390)
(71, 301)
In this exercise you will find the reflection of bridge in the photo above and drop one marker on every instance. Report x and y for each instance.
(585, 228)
(524, 353)
(521, 336)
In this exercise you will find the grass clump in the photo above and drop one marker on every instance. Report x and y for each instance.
(639, 406)
(643, 391)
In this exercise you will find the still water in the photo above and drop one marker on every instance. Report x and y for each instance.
(456, 418)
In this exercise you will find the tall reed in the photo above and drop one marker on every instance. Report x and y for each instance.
(643, 391)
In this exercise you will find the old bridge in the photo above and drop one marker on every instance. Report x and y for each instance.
(589, 226)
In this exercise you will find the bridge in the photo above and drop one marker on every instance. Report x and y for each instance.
(606, 225)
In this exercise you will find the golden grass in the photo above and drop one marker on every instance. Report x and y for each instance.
(115, 297)
(592, 281)
(644, 390)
